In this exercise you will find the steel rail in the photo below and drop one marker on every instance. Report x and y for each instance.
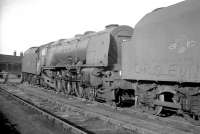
(67, 126)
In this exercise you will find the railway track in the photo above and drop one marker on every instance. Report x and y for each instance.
(111, 119)
(67, 126)
(73, 122)
(176, 121)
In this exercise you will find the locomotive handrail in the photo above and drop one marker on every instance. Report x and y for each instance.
(71, 66)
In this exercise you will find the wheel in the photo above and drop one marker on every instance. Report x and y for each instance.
(156, 109)
(59, 86)
(63, 83)
(84, 93)
(78, 89)
(167, 97)
(69, 88)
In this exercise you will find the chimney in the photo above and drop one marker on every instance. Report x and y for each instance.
(21, 54)
(89, 32)
(15, 53)
(78, 35)
(111, 26)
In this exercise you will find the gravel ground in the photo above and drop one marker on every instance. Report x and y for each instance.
(18, 119)
(155, 123)
(6, 126)
(128, 115)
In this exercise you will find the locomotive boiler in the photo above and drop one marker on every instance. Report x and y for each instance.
(162, 60)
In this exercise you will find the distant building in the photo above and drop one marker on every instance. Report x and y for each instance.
(11, 64)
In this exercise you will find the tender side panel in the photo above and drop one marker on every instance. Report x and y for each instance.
(165, 45)
(29, 61)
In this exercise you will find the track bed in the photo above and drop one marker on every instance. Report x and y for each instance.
(100, 118)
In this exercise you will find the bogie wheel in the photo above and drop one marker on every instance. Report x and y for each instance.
(156, 110)
(162, 110)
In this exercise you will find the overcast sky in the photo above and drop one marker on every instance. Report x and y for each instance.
(27, 23)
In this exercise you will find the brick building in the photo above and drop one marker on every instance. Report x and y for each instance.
(10, 63)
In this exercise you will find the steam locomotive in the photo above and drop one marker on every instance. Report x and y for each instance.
(156, 65)
(86, 65)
